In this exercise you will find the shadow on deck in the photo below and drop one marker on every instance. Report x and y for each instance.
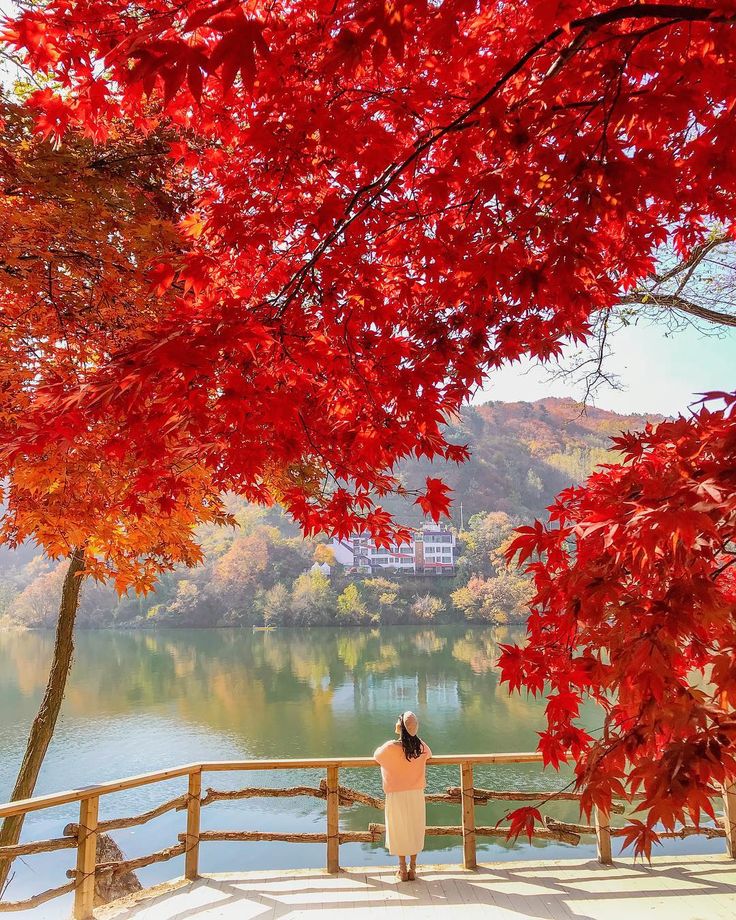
(691, 888)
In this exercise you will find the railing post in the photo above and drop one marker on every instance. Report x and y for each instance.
(468, 803)
(333, 820)
(603, 836)
(191, 858)
(729, 814)
(84, 895)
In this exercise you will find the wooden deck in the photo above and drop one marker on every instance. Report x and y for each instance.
(685, 888)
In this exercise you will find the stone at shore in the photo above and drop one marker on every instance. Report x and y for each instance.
(108, 887)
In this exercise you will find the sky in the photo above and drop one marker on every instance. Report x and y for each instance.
(659, 373)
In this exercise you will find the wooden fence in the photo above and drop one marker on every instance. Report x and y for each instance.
(82, 836)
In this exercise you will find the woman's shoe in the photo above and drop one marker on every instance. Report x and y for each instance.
(402, 875)
(412, 875)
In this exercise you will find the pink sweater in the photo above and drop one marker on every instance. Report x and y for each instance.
(398, 773)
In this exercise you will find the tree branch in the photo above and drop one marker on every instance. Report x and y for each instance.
(696, 256)
(587, 25)
(681, 305)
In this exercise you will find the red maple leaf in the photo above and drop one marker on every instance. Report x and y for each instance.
(435, 501)
(523, 820)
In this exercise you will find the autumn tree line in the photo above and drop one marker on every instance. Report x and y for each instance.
(257, 572)
(260, 574)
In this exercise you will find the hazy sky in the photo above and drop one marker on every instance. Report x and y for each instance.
(659, 373)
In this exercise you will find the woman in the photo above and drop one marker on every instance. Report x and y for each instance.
(403, 773)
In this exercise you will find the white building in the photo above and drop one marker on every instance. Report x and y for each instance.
(324, 568)
(430, 552)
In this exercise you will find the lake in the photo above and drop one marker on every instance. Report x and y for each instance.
(138, 701)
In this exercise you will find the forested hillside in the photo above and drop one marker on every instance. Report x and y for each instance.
(522, 455)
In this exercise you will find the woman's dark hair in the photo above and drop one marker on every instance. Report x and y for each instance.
(412, 744)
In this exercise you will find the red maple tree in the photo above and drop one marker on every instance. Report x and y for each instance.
(80, 224)
(635, 608)
(392, 199)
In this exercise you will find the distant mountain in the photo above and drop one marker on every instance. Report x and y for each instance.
(523, 454)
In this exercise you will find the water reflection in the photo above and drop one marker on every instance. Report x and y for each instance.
(286, 692)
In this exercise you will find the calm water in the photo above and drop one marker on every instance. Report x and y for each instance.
(144, 700)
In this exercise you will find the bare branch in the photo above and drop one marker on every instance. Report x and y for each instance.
(674, 302)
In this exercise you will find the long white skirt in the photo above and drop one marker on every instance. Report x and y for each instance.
(406, 821)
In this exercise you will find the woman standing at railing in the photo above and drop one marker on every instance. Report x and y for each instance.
(403, 772)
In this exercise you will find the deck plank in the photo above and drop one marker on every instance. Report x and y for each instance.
(688, 889)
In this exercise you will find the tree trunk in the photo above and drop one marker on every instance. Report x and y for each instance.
(44, 724)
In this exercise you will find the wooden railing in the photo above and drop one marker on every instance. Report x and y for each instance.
(83, 835)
